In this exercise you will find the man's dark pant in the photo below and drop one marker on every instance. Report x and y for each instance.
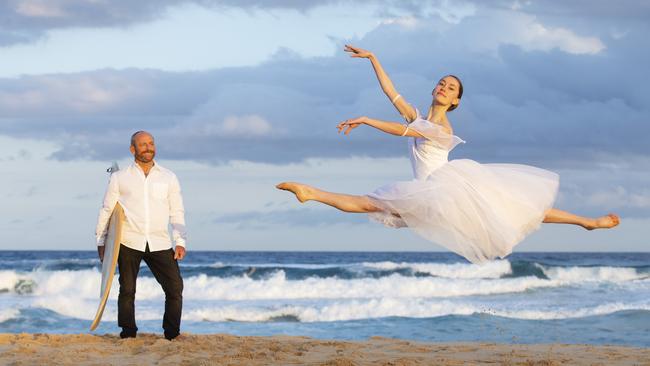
(165, 268)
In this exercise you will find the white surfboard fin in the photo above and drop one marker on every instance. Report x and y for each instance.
(113, 168)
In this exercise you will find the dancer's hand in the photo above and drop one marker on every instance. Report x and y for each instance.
(358, 52)
(350, 124)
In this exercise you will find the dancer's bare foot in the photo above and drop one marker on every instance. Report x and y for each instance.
(303, 192)
(604, 222)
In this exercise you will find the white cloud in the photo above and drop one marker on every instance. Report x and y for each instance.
(211, 119)
(244, 125)
(535, 36)
(518, 5)
(39, 9)
(620, 197)
(450, 12)
(77, 93)
(492, 28)
(407, 21)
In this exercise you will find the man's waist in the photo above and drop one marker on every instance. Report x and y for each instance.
(143, 244)
(152, 234)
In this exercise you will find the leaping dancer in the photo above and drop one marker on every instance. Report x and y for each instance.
(479, 211)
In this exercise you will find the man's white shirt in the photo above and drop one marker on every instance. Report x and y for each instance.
(151, 203)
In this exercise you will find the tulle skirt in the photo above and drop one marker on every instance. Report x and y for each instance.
(479, 211)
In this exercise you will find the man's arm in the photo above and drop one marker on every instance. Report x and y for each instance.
(110, 199)
(177, 218)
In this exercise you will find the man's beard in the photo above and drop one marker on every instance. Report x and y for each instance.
(142, 158)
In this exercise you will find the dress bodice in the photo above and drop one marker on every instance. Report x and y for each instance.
(431, 151)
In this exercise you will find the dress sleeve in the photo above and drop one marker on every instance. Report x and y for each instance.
(434, 133)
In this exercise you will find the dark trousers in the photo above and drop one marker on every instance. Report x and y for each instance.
(165, 268)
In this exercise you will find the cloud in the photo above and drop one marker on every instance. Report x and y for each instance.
(538, 37)
(588, 9)
(23, 21)
(297, 217)
(620, 187)
(403, 21)
(620, 197)
(39, 9)
(542, 104)
(250, 124)
(202, 123)
(74, 94)
(526, 31)
(29, 20)
(20, 154)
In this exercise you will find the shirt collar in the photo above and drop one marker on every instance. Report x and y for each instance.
(155, 166)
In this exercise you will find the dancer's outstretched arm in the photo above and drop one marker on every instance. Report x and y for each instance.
(403, 107)
(392, 128)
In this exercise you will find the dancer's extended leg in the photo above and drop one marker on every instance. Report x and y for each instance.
(344, 202)
(556, 216)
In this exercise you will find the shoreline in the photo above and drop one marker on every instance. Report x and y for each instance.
(209, 349)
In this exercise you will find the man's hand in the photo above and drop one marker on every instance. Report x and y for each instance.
(179, 253)
(100, 251)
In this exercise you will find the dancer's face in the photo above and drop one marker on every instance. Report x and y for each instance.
(446, 91)
(143, 147)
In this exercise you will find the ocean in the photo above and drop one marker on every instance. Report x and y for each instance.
(591, 298)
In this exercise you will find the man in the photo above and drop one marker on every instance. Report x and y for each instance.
(151, 198)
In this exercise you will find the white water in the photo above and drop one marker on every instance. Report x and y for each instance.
(452, 289)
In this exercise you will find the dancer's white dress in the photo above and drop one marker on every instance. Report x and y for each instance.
(480, 211)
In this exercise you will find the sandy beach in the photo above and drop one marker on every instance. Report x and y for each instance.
(221, 349)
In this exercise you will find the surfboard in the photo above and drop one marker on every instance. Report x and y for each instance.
(111, 252)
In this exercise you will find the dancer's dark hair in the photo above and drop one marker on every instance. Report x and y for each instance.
(460, 93)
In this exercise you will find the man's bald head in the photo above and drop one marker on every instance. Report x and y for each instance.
(143, 147)
(137, 134)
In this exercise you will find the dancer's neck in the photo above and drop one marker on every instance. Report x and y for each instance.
(437, 113)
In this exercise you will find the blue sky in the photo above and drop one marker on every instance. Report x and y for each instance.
(244, 94)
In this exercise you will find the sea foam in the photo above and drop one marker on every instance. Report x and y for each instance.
(470, 282)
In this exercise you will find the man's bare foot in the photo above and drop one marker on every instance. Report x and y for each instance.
(604, 222)
(303, 192)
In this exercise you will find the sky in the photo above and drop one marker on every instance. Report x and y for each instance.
(242, 95)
